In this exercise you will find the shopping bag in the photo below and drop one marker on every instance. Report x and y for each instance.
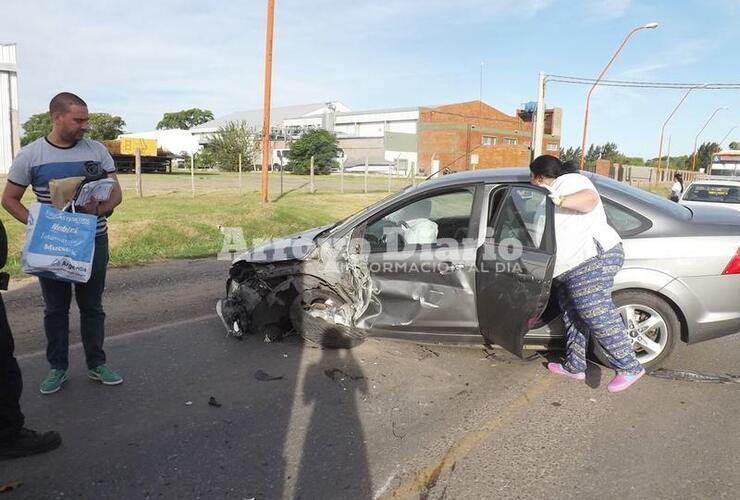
(59, 245)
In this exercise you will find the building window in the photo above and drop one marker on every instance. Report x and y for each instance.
(509, 140)
(489, 140)
(551, 146)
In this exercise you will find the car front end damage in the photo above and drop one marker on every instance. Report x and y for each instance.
(298, 285)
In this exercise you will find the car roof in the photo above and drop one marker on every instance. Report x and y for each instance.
(507, 174)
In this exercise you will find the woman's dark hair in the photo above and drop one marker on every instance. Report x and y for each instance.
(569, 167)
(550, 166)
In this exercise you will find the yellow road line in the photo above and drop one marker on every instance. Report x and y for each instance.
(427, 477)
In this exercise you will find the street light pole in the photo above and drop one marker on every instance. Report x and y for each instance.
(662, 130)
(266, 105)
(598, 79)
(727, 135)
(696, 139)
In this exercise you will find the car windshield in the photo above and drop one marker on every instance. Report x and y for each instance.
(662, 204)
(713, 193)
(351, 219)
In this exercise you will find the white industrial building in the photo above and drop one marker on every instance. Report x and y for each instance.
(314, 114)
(381, 137)
(10, 136)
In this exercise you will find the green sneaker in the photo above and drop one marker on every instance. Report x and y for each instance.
(105, 375)
(53, 381)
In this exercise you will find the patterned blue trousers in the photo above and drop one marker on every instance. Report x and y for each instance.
(584, 294)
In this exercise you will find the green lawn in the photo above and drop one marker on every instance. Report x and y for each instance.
(164, 225)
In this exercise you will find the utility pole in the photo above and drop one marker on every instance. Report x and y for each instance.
(668, 158)
(266, 105)
(539, 126)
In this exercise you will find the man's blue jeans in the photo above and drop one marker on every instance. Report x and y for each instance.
(57, 298)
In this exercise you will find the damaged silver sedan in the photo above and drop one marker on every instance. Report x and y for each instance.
(468, 259)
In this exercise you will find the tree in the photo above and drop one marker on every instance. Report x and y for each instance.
(320, 144)
(185, 119)
(676, 162)
(104, 126)
(38, 125)
(609, 151)
(735, 145)
(704, 155)
(229, 141)
(571, 154)
(593, 153)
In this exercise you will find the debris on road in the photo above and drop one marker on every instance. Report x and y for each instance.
(426, 352)
(188, 403)
(335, 373)
(9, 486)
(212, 402)
(489, 354)
(691, 376)
(263, 376)
(393, 430)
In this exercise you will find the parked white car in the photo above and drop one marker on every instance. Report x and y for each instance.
(720, 193)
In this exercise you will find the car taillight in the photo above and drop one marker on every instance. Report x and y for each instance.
(733, 267)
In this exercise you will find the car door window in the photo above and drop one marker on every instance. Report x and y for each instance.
(423, 222)
(521, 217)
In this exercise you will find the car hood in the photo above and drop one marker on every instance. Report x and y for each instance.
(293, 247)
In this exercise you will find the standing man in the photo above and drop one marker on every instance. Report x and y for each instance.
(59, 155)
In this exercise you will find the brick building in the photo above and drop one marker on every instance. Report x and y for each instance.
(460, 136)
(471, 135)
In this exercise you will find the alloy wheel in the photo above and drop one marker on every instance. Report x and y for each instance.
(646, 329)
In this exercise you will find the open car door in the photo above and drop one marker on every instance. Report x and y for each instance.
(515, 264)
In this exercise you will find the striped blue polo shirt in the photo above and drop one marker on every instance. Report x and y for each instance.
(41, 161)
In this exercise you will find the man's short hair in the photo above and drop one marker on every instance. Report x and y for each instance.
(61, 102)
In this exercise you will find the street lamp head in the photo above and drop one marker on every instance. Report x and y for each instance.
(651, 26)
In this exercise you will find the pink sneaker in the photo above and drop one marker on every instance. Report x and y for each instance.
(622, 381)
(558, 369)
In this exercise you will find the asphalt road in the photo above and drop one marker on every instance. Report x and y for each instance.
(384, 420)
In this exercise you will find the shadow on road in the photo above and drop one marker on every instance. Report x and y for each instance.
(334, 461)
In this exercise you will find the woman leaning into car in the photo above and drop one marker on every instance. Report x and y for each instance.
(589, 255)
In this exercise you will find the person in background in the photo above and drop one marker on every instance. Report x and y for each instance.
(61, 154)
(15, 440)
(677, 188)
(589, 255)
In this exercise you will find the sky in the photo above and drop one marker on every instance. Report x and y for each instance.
(139, 59)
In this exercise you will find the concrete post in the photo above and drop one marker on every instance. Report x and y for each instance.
(539, 127)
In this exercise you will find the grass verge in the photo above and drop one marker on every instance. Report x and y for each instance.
(175, 225)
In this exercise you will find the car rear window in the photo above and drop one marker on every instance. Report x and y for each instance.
(624, 221)
(714, 193)
(658, 202)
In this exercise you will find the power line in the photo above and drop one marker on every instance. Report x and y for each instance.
(638, 84)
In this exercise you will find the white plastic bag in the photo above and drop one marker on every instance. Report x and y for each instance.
(59, 245)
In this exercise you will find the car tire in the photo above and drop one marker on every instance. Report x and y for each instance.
(320, 316)
(645, 308)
